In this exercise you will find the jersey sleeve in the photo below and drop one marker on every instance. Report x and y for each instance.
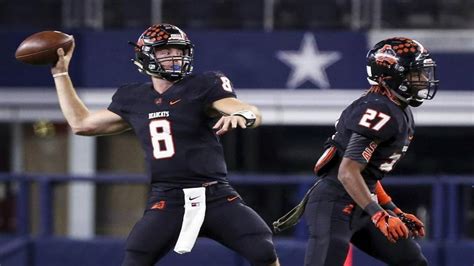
(218, 86)
(360, 148)
(119, 101)
(373, 120)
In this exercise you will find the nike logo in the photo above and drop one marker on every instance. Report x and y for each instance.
(175, 102)
(193, 198)
(231, 198)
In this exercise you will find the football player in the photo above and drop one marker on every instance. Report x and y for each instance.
(348, 204)
(174, 117)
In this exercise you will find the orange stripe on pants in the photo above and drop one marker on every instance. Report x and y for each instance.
(348, 261)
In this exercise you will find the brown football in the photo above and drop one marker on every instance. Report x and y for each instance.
(40, 48)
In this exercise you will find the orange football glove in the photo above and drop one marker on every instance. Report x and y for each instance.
(416, 227)
(390, 226)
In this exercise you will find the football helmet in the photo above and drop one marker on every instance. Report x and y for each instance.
(160, 36)
(405, 67)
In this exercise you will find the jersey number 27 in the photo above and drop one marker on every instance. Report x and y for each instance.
(370, 115)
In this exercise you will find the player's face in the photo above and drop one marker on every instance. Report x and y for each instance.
(170, 58)
(419, 81)
(418, 75)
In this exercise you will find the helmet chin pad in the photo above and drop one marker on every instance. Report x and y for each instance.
(414, 102)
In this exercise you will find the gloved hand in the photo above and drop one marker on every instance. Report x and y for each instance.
(390, 226)
(416, 227)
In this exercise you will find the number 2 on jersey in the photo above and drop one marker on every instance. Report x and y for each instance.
(388, 166)
(370, 115)
(161, 139)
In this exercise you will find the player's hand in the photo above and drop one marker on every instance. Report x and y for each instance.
(62, 65)
(229, 122)
(416, 227)
(390, 226)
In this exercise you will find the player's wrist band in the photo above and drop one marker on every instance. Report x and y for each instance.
(249, 117)
(397, 211)
(372, 208)
(390, 206)
(60, 74)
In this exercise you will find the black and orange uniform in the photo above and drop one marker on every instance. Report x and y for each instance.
(375, 131)
(175, 129)
(372, 135)
(183, 151)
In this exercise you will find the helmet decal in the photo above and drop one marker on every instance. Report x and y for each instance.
(387, 57)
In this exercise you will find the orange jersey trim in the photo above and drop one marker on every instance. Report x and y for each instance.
(383, 91)
(324, 159)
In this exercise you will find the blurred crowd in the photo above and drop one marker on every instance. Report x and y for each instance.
(238, 14)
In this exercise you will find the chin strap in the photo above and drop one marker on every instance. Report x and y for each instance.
(415, 103)
(384, 89)
(134, 45)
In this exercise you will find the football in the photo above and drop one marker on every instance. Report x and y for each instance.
(40, 48)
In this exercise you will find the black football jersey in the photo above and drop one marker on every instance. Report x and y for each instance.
(388, 125)
(174, 128)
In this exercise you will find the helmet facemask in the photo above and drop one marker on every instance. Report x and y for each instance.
(179, 65)
(421, 82)
(417, 84)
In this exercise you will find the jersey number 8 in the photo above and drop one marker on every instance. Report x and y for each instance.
(161, 139)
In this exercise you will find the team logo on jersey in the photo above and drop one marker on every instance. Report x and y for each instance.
(348, 209)
(367, 153)
(173, 102)
(160, 205)
(232, 198)
(158, 114)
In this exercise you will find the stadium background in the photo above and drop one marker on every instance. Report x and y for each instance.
(50, 215)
